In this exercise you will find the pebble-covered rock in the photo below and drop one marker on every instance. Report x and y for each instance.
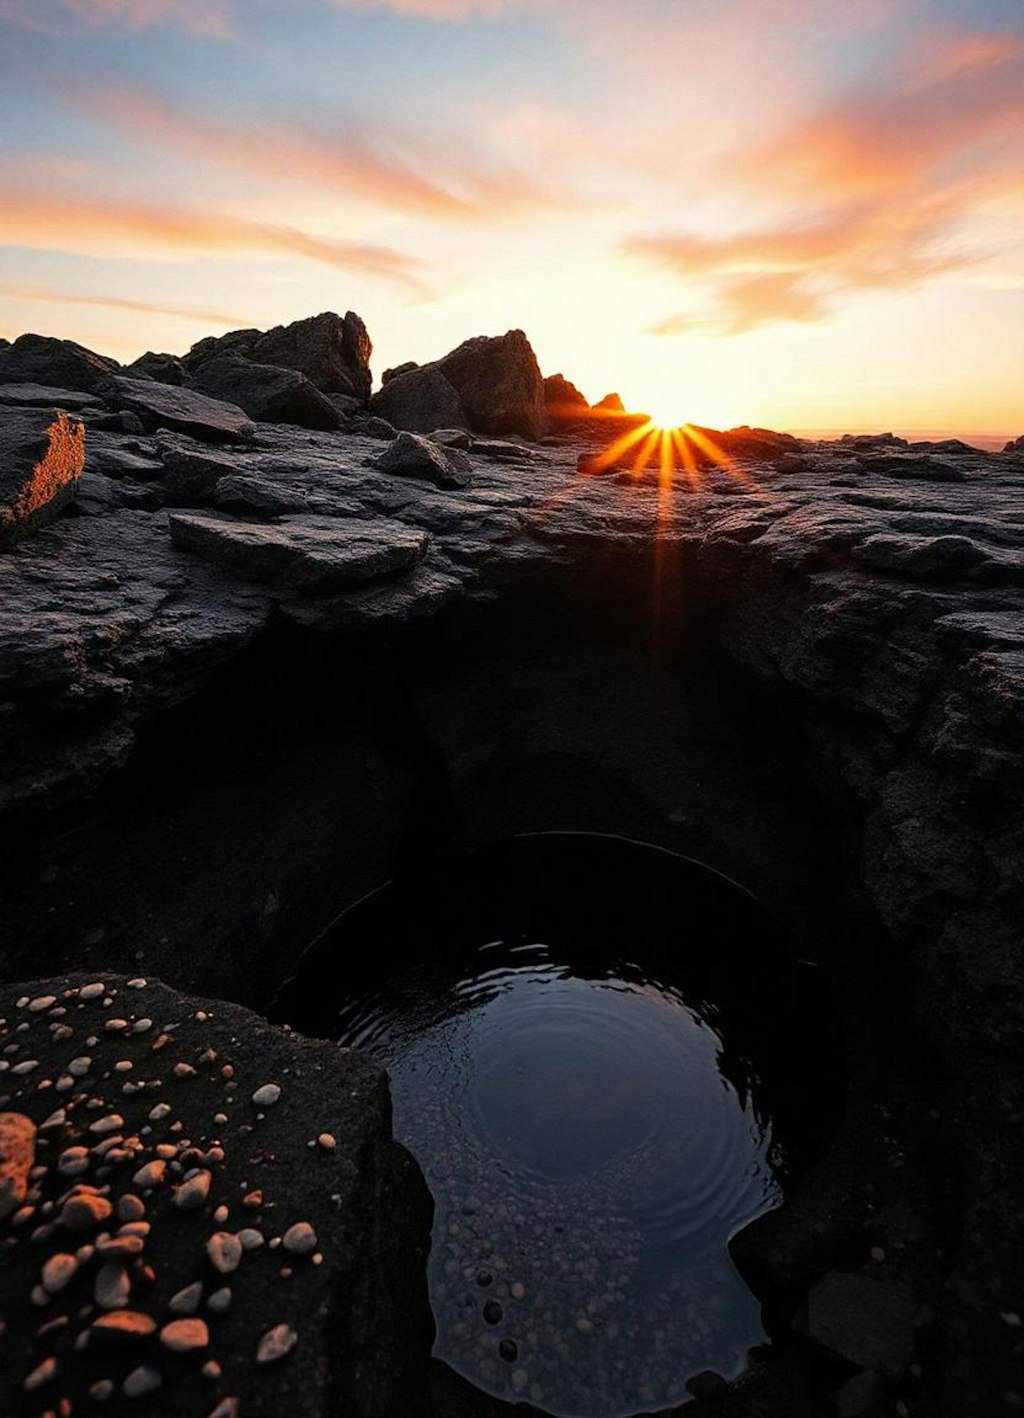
(276, 1343)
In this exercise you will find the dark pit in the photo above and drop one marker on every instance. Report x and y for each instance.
(608, 1060)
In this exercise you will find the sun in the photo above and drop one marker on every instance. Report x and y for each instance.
(665, 415)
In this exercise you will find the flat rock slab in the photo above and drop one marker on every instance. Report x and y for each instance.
(41, 460)
(181, 1241)
(185, 411)
(47, 396)
(314, 554)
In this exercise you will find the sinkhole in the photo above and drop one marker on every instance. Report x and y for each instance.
(607, 1060)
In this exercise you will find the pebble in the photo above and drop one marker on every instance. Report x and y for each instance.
(182, 1336)
(45, 1373)
(55, 1120)
(493, 1313)
(327, 1141)
(141, 1381)
(220, 1301)
(124, 1324)
(58, 1271)
(161, 1111)
(120, 1247)
(151, 1175)
(29, 1066)
(299, 1239)
(113, 1289)
(142, 1026)
(186, 1301)
(73, 1161)
(193, 1192)
(115, 1026)
(113, 1122)
(35, 1006)
(101, 1390)
(88, 992)
(211, 1369)
(79, 1067)
(183, 1070)
(130, 1208)
(226, 1408)
(276, 1343)
(225, 1251)
(266, 1096)
(137, 984)
(509, 1350)
(250, 1238)
(85, 1211)
(220, 1215)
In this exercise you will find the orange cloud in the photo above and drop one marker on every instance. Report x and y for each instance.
(892, 188)
(125, 228)
(345, 165)
(109, 302)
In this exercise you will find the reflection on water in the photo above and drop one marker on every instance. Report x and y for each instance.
(589, 1163)
(607, 1061)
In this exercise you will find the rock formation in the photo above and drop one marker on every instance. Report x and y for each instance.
(41, 460)
(871, 588)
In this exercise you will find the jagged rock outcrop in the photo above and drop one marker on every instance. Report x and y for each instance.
(267, 392)
(164, 368)
(332, 352)
(217, 1193)
(41, 460)
(40, 359)
(499, 384)
(563, 401)
(419, 401)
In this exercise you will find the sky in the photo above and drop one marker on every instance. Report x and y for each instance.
(776, 212)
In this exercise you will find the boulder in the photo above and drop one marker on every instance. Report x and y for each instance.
(314, 555)
(419, 401)
(611, 404)
(499, 384)
(865, 1322)
(318, 1266)
(190, 473)
(333, 353)
(41, 460)
(40, 359)
(183, 410)
(563, 401)
(164, 368)
(1016, 446)
(413, 456)
(268, 393)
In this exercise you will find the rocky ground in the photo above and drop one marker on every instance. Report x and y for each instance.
(873, 589)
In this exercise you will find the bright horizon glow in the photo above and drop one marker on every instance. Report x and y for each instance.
(753, 212)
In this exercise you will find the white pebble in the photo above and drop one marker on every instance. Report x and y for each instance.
(299, 1239)
(137, 984)
(141, 1381)
(58, 1271)
(142, 1026)
(28, 1066)
(88, 992)
(266, 1096)
(187, 1301)
(161, 1111)
(276, 1343)
(40, 1003)
(225, 1251)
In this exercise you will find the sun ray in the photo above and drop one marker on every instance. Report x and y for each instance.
(682, 447)
(617, 450)
(707, 446)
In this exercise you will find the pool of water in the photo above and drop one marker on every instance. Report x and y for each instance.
(607, 1062)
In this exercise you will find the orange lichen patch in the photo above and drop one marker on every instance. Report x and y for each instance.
(60, 465)
(17, 1158)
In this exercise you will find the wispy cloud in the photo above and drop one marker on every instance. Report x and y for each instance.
(370, 162)
(108, 227)
(884, 189)
(201, 17)
(35, 294)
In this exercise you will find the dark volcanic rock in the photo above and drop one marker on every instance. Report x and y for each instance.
(419, 400)
(563, 401)
(191, 472)
(183, 410)
(41, 460)
(164, 368)
(39, 359)
(1015, 446)
(413, 456)
(390, 374)
(319, 1243)
(43, 396)
(333, 353)
(499, 384)
(309, 554)
(267, 393)
(865, 1322)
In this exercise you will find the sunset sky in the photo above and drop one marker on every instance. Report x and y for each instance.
(769, 211)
